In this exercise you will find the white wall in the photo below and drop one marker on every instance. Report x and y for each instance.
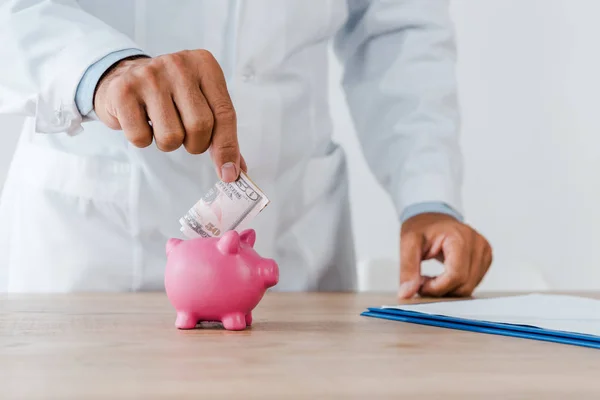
(529, 89)
(529, 81)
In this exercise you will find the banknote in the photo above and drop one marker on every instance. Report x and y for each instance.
(225, 207)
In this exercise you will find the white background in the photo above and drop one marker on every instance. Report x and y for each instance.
(529, 87)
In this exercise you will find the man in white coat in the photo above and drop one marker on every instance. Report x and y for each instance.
(134, 108)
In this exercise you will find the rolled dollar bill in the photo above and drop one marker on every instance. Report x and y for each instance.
(225, 207)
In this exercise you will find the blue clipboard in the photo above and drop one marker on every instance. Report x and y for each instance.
(519, 331)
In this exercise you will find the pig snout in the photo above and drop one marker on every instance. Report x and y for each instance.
(270, 272)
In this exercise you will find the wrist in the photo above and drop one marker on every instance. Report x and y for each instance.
(87, 85)
(115, 70)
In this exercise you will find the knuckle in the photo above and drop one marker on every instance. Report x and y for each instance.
(484, 246)
(228, 148)
(489, 256)
(409, 237)
(480, 239)
(224, 111)
(122, 89)
(204, 54)
(488, 246)
(185, 53)
(152, 81)
(464, 229)
(459, 238)
(112, 123)
(170, 141)
(176, 62)
(162, 60)
(149, 74)
(197, 144)
(200, 127)
(141, 141)
(197, 148)
(206, 125)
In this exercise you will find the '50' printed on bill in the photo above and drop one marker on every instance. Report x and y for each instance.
(225, 207)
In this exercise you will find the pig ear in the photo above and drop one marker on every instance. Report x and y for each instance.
(171, 244)
(249, 237)
(229, 243)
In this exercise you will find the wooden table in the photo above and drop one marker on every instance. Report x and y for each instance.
(121, 346)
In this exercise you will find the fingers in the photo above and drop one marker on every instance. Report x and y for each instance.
(169, 133)
(457, 255)
(411, 245)
(196, 116)
(480, 264)
(465, 253)
(132, 119)
(224, 148)
(185, 97)
(164, 116)
(197, 119)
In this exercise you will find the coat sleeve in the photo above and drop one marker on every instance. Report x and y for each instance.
(45, 48)
(399, 81)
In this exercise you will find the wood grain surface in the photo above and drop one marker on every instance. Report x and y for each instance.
(308, 346)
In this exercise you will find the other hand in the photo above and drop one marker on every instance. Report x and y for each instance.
(466, 255)
(184, 96)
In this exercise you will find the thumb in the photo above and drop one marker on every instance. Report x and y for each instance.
(411, 245)
(225, 153)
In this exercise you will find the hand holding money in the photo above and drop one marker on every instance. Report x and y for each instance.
(226, 206)
(173, 99)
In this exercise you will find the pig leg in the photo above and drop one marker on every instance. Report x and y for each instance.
(249, 319)
(234, 322)
(185, 320)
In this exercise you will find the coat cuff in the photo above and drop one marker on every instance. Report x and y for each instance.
(57, 110)
(428, 193)
(429, 207)
(84, 97)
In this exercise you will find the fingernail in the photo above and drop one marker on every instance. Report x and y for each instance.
(407, 289)
(228, 172)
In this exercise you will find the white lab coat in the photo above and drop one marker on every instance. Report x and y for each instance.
(84, 210)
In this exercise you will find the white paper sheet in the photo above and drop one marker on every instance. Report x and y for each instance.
(555, 312)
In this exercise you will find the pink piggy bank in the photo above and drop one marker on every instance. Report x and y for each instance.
(217, 279)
